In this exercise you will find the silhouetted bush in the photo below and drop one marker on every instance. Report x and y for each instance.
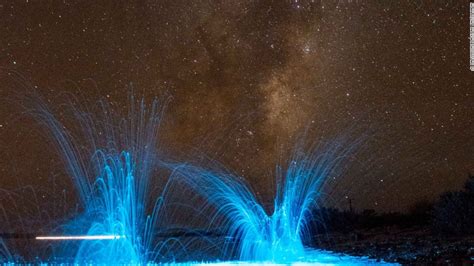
(328, 220)
(454, 212)
(419, 214)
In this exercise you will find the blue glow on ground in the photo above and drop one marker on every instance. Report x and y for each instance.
(313, 257)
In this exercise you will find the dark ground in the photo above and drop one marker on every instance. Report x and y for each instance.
(416, 245)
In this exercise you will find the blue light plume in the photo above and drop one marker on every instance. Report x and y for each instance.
(278, 237)
(110, 159)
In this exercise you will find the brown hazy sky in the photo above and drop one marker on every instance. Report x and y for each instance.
(247, 77)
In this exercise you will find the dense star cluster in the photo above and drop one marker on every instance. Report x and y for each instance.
(246, 79)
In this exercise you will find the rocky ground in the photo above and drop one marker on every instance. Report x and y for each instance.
(406, 246)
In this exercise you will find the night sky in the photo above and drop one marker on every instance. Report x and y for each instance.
(246, 78)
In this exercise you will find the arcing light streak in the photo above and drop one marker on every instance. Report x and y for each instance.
(84, 237)
(276, 237)
(111, 159)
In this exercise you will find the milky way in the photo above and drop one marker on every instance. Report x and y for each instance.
(246, 78)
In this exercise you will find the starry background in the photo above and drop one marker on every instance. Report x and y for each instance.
(247, 77)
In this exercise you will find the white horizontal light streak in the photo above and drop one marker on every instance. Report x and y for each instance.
(84, 237)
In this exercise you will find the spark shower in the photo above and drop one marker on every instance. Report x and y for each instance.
(114, 163)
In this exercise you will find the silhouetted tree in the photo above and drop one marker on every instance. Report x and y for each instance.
(454, 212)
